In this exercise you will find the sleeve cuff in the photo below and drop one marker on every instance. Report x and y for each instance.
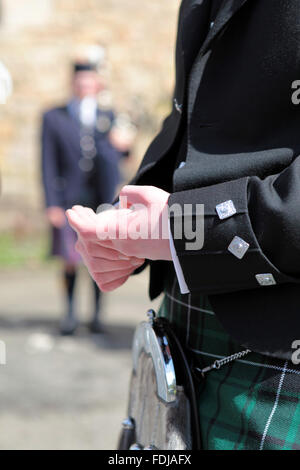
(217, 266)
(179, 273)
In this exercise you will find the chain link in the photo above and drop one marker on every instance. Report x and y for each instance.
(222, 362)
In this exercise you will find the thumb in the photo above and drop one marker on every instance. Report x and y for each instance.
(81, 226)
(131, 195)
(73, 219)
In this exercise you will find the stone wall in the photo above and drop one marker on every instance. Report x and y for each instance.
(37, 41)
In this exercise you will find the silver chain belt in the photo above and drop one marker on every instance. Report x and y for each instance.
(223, 362)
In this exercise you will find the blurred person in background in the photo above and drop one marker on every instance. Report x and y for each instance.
(81, 151)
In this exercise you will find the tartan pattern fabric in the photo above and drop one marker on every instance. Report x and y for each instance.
(250, 404)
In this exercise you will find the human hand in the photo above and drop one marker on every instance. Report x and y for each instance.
(138, 230)
(56, 216)
(109, 268)
(143, 231)
(122, 138)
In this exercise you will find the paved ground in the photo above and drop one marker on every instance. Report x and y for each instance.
(63, 393)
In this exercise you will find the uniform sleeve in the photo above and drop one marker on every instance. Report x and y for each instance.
(251, 234)
(50, 170)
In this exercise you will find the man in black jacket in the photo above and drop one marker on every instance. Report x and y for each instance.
(231, 144)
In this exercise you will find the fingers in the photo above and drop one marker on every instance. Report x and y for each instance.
(108, 277)
(112, 224)
(74, 219)
(114, 284)
(86, 213)
(83, 225)
(99, 251)
(108, 265)
(104, 228)
(108, 274)
(130, 195)
(103, 265)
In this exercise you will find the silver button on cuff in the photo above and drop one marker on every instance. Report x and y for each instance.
(265, 279)
(225, 209)
(238, 247)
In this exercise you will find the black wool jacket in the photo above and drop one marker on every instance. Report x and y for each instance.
(236, 100)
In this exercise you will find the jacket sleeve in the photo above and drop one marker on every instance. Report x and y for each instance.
(251, 233)
(50, 167)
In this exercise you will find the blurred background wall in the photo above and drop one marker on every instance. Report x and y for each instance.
(37, 40)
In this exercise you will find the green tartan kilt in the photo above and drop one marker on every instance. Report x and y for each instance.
(252, 403)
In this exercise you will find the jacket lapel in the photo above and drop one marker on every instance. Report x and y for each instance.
(194, 28)
(228, 9)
